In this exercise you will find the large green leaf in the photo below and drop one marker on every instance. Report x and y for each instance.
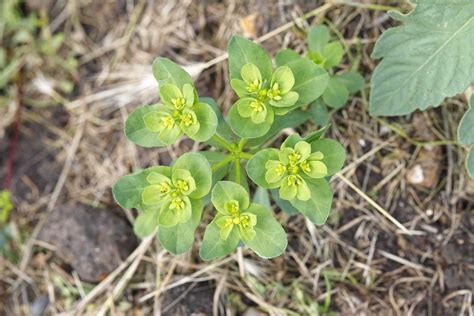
(470, 162)
(270, 239)
(137, 132)
(285, 56)
(428, 58)
(243, 51)
(334, 154)
(318, 207)
(166, 71)
(262, 197)
(128, 189)
(213, 246)
(310, 80)
(318, 37)
(146, 222)
(352, 80)
(466, 126)
(179, 238)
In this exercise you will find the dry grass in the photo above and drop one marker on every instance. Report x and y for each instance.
(381, 252)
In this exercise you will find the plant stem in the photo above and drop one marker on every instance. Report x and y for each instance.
(222, 163)
(242, 144)
(237, 171)
(246, 156)
(222, 142)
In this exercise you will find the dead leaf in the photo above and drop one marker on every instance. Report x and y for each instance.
(425, 171)
(248, 25)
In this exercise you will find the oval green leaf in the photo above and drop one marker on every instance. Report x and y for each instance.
(256, 167)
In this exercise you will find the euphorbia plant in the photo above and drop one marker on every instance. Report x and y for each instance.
(170, 199)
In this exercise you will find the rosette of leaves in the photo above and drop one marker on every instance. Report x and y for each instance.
(264, 92)
(237, 220)
(299, 170)
(168, 198)
(181, 112)
(327, 54)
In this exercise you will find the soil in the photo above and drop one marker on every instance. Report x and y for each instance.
(188, 300)
(92, 241)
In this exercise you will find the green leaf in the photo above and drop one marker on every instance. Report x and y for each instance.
(284, 205)
(427, 59)
(214, 157)
(270, 240)
(245, 128)
(292, 119)
(336, 94)
(225, 191)
(470, 162)
(352, 80)
(179, 239)
(319, 134)
(207, 122)
(334, 154)
(318, 207)
(243, 175)
(285, 56)
(137, 132)
(310, 80)
(320, 112)
(242, 51)
(466, 126)
(200, 170)
(128, 189)
(333, 53)
(146, 222)
(262, 197)
(166, 71)
(256, 167)
(223, 128)
(318, 37)
(213, 246)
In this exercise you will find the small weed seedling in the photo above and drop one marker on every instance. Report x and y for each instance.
(327, 54)
(170, 199)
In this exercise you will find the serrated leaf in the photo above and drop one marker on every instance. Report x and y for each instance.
(427, 59)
